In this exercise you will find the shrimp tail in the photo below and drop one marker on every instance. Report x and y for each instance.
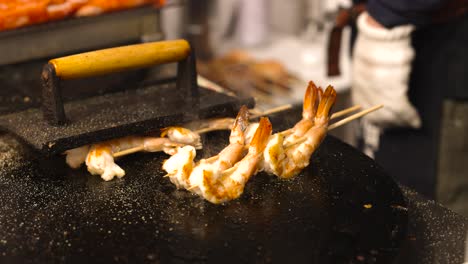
(240, 126)
(310, 97)
(242, 120)
(164, 131)
(320, 94)
(326, 103)
(261, 136)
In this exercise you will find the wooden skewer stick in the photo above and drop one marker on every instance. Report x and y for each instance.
(202, 81)
(333, 116)
(255, 111)
(128, 151)
(299, 141)
(272, 111)
(267, 112)
(192, 187)
(355, 116)
(207, 129)
(340, 123)
(345, 111)
(132, 150)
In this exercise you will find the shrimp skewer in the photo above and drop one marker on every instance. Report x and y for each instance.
(204, 126)
(180, 165)
(99, 158)
(218, 182)
(287, 162)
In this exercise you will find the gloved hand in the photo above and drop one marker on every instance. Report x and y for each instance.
(381, 68)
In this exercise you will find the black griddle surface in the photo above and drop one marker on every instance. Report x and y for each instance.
(51, 215)
(114, 115)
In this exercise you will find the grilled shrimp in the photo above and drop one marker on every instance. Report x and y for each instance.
(219, 186)
(180, 165)
(287, 161)
(100, 160)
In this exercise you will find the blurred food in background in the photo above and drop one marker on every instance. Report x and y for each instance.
(267, 49)
(20, 13)
(244, 75)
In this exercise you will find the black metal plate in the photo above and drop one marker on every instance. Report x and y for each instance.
(72, 35)
(114, 115)
(50, 213)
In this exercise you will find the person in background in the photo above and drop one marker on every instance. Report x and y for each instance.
(412, 57)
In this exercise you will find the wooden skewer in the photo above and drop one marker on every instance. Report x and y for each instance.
(204, 130)
(340, 123)
(128, 151)
(192, 187)
(212, 86)
(167, 175)
(299, 141)
(355, 116)
(255, 111)
(133, 150)
(345, 111)
(267, 112)
(333, 116)
(272, 111)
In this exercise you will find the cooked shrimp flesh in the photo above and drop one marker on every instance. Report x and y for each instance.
(180, 165)
(100, 159)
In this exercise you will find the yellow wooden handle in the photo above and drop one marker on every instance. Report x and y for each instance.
(119, 59)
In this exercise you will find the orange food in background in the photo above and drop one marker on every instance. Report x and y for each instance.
(19, 13)
(16, 13)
